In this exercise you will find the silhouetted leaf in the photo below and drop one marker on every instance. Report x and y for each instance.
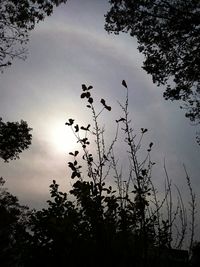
(144, 172)
(103, 101)
(71, 165)
(124, 83)
(108, 108)
(84, 87)
(87, 94)
(74, 174)
(76, 153)
(121, 119)
(85, 129)
(144, 130)
(76, 127)
(83, 95)
(71, 121)
(90, 100)
(104, 104)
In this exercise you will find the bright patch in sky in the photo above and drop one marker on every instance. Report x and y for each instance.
(62, 138)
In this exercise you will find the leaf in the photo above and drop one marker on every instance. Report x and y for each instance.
(144, 172)
(90, 87)
(85, 129)
(108, 108)
(83, 95)
(76, 153)
(71, 121)
(84, 87)
(124, 84)
(88, 95)
(140, 48)
(90, 100)
(121, 119)
(144, 130)
(70, 164)
(74, 174)
(76, 127)
(103, 101)
(150, 145)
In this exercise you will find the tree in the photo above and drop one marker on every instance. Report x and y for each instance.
(13, 228)
(168, 35)
(14, 138)
(17, 19)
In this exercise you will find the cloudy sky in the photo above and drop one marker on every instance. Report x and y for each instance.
(70, 48)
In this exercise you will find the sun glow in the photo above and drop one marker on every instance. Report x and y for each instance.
(62, 138)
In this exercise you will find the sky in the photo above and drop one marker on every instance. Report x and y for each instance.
(66, 50)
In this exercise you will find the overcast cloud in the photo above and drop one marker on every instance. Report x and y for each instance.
(68, 49)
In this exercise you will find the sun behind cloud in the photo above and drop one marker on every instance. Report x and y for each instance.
(62, 138)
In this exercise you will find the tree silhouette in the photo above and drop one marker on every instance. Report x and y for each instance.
(14, 138)
(17, 18)
(13, 228)
(109, 217)
(168, 35)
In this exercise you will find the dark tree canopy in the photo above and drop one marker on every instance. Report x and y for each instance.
(17, 18)
(13, 220)
(168, 34)
(14, 138)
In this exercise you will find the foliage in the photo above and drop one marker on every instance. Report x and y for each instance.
(110, 217)
(102, 222)
(14, 138)
(17, 18)
(195, 260)
(13, 224)
(168, 35)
